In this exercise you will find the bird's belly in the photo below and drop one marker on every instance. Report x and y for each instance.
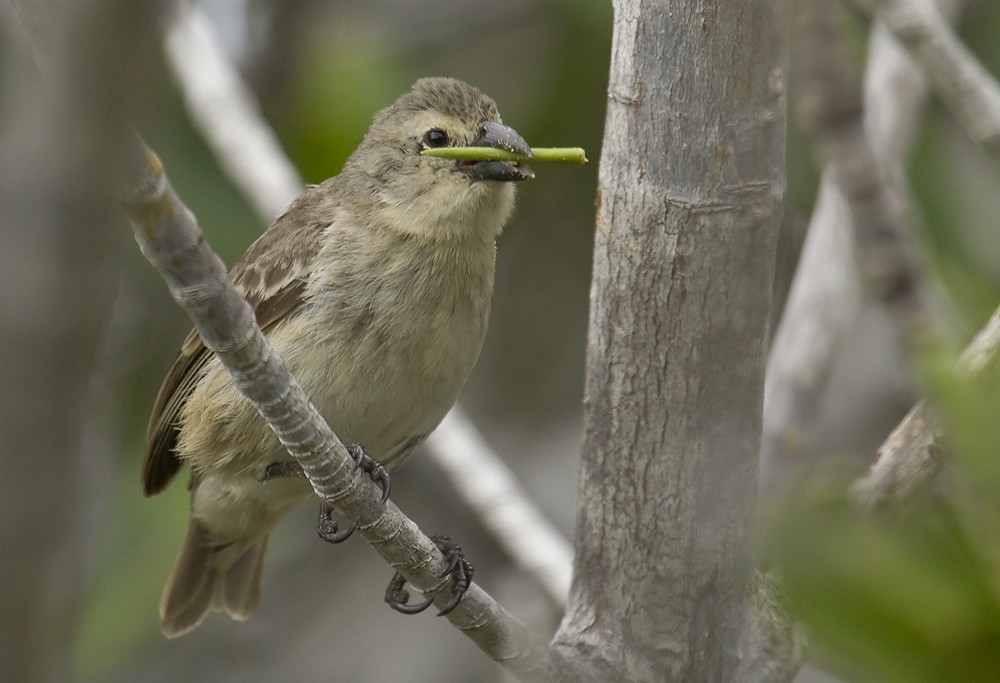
(234, 506)
(385, 390)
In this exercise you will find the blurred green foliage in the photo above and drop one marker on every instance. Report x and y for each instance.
(344, 82)
(912, 594)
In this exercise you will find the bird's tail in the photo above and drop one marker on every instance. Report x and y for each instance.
(207, 576)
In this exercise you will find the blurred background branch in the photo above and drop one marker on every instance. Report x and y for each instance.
(911, 455)
(490, 490)
(227, 114)
(965, 85)
(824, 302)
(57, 279)
(829, 101)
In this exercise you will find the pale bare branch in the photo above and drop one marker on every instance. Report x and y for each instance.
(227, 114)
(489, 488)
(822, 306)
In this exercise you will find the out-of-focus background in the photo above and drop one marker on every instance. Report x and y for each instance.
(321, 69)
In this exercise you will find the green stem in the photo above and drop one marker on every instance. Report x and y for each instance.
(563, 155)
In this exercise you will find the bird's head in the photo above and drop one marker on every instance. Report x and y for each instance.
(432, 197)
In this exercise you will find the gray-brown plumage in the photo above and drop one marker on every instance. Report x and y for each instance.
(375, 288)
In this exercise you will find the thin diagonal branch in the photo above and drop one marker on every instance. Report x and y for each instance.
(911, 454)
(229, 119)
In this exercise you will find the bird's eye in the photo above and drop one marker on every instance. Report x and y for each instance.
(435, 137)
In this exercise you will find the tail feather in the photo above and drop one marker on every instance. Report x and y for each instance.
(206, 577)
(239, 593)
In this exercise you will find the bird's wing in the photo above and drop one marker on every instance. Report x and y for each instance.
(272, 277)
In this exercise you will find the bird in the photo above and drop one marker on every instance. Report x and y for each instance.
(375, 288)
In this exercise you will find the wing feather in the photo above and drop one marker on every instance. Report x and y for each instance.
(272, 276)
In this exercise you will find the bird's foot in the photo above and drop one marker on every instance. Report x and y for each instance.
(459, 570)
(327, 527)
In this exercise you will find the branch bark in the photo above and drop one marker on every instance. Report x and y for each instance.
(690, 198)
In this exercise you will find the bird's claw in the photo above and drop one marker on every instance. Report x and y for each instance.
(370, 466)
(459, 570)
(328, 528)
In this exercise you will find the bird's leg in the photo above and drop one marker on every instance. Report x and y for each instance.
(327, 527)
(459, 571)
(281, 470)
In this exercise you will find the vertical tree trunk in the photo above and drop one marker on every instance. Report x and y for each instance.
(690, 199)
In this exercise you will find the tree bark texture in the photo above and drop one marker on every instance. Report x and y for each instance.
(689, 205)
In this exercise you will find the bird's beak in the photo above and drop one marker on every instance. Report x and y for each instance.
(501, 137)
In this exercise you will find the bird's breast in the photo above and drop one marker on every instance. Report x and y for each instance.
(389, 354)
